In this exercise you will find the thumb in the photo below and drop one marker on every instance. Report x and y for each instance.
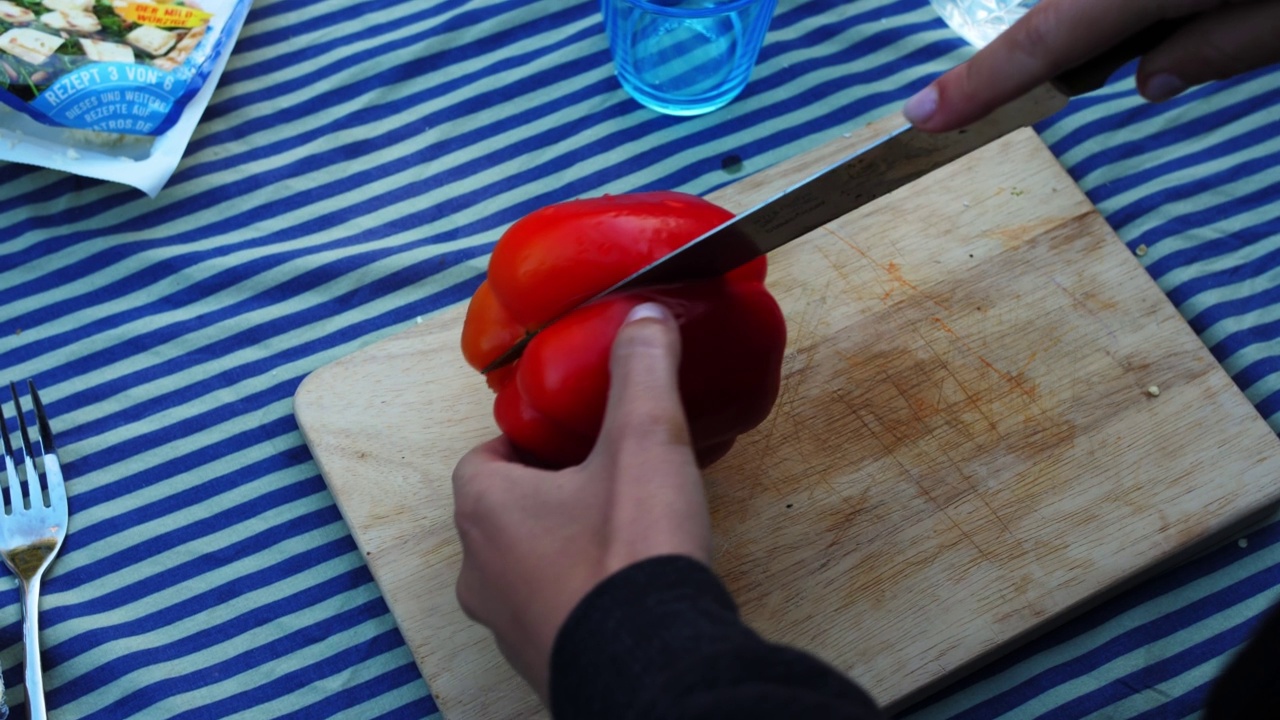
(660, 507)
(644, 407)
(1229, 41)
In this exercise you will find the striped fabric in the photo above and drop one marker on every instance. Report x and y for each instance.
(350, 176)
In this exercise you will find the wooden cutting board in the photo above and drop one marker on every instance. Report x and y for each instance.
(968, 445)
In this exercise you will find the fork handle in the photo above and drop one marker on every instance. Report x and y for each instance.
(31, 648)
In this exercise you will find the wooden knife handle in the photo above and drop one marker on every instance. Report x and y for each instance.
(1093, 74)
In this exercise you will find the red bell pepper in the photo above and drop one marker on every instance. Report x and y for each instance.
(550, 402)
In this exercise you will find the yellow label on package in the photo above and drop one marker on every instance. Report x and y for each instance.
(161, 15)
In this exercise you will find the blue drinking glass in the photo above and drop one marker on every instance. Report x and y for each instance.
(685, 57)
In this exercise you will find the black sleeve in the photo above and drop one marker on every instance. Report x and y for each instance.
(1248, 688)
(662, 639)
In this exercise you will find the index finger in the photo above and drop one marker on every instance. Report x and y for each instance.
(1054, 36)
(498, 451)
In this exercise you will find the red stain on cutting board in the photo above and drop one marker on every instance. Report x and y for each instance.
(1016, 380)
(893, 273)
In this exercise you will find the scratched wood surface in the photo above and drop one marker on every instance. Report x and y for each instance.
(965, 447)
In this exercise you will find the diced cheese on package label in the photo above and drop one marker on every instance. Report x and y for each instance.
(30, 45)
(103, 51)
(151, 39)
(15, 14)
(69, 5)
(71, 20)
(181, 51)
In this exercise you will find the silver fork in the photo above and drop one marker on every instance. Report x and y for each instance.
(32, 528)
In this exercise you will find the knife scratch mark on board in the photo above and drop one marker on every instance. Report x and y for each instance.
(971, 397)
(871, 432)
(892, 454)
(854, 506)
(992, 510)
(918, 406)
(894, 272)
(976, 545)
(837, 267)
(1031, 390)
(805, 332)
(1090, 310)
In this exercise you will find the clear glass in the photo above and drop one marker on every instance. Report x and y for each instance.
(685, 57)
(980, 21)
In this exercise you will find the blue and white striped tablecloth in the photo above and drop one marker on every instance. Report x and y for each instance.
(356, 164)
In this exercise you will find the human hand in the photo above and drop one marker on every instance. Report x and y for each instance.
(535, 542)
(1225, 38)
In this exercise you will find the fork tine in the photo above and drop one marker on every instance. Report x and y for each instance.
(8, 446)
(32, 489)
(22, 419)
(55, 488)
(10, 469)
(42, 420)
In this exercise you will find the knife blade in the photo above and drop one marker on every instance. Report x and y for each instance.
(900, 157)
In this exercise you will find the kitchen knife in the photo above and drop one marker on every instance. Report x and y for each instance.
(904, 155)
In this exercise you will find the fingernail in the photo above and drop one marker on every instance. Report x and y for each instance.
(648, 311)
(921, 106)
(1162, 87)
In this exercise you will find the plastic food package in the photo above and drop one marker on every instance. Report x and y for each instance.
(110, 89)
